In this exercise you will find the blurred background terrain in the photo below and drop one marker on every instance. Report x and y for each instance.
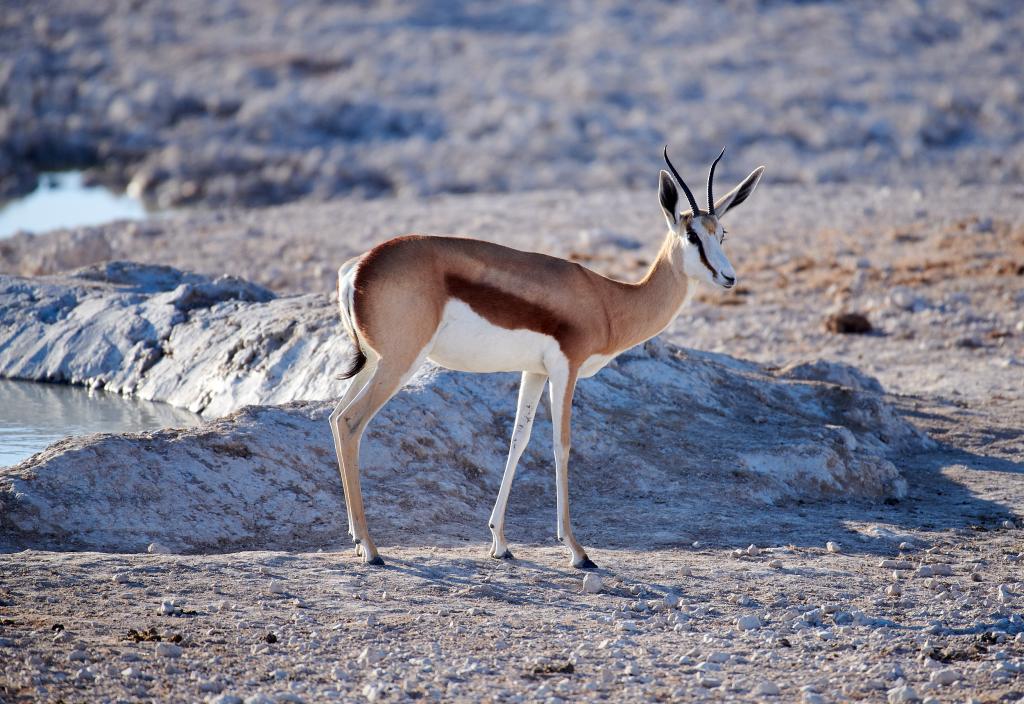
(226, 102)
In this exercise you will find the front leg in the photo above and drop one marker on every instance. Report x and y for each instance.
(530, 390)
(563, 385)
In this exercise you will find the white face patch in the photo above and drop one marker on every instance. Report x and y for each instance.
(703, 256)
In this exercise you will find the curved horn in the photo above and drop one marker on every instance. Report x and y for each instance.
(689, 196)
(711, 180)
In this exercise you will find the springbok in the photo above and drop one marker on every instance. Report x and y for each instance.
(475, 306)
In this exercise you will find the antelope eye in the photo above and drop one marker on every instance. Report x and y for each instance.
(692, 236)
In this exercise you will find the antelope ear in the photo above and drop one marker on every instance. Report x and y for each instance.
(668, 194)
(739, 194)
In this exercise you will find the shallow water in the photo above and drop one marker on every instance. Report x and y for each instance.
(63, 200)
(34, 416)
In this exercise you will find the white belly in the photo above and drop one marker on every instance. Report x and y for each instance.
(468, 342)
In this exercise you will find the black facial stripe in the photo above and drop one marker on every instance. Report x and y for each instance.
(700, 250)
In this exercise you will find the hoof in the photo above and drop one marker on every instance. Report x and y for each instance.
(377, 561)
(507, 555)
(585, 564)
(359, 550)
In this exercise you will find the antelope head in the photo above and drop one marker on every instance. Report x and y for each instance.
(699, 233)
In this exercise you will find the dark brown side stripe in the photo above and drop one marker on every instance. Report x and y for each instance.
(508, 310)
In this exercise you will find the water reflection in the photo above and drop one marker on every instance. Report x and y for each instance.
(33, 416)
(63, 200)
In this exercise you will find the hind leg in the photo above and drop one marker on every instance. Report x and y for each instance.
(355, 386)
(389, 375)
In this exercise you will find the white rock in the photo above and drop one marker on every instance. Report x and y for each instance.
(893, 590)
(833, 547)
(813, 698)
(717, 656)
(924, 571)
(905, 693)
(775, 564)
(121, 578)
(277, 587)
(1009, 525)
(158, 549)
(671, 601)
(905, 546)
(750, 622)
(766, 689)
(370, 656)
(945, 676)
(131, 673)
(592, 583)
(168, 608)
(168, 650)
(752, 550)
(1003, 593)
(685, 571)
(895, 565)
(942, 570)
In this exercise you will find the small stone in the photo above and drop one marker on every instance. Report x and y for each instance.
(78, 655)
(942, 570)
(752, 550)
(895, 565)
(371, 619)
(1003, 593)
(945, 676)
(905, 693)
(717, 656)
(924, 571)
(168, 608)
(671, 601)
(158, 549)
(775, 564)
(833, 547)
(277, 587)
(121, 578)
(592, 583)
(370, 656)
(168, 650)
(1009, 525)
(685, 571)
(906, 546)
(767, 689)
(893, 590)
(131, 673)
(750, 622)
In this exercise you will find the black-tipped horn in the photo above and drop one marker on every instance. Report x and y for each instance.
(711, 180)
(686, 189)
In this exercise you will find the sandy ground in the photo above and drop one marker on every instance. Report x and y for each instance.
(940, 283)
(231, 103)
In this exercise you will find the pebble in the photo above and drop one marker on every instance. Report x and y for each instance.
(1009, 525)
(686, 571)
(945, 676)
(158, 549)
(767, 689)
(370, 656)
(671, 601)
(813, 698)
(895, 565)
(226, 699)
(121, 578)
(906, 546)
(904, 693)
(1003, 593)
(775, 564)
(893, 590)
(168, 650)
(78, 655)
(592, 584)
(750, 622)
(371, 619)
(924, 571)
(717, 656)
(752, 550)
(277, 587)
(942, 570)
(833, 547)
